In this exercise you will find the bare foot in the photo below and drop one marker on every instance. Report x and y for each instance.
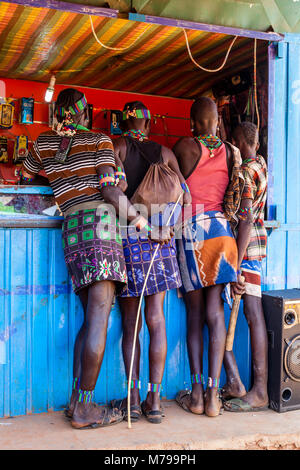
(233, 389)
(192, 401)
(256, 398)
(213, 404)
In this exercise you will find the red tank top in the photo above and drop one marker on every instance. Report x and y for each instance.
(209, 181)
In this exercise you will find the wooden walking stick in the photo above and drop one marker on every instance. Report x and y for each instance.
(232, 321)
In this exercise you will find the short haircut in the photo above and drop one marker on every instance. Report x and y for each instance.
(202, 107)
(131, 105)
(249, 131)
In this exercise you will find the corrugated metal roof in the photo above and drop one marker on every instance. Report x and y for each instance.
(37, 42)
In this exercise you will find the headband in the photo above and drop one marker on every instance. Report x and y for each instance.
(75, 109)
(136, 114)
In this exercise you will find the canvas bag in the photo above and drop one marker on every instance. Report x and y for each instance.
(160, 185)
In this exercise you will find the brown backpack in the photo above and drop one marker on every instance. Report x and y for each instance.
(160, 185)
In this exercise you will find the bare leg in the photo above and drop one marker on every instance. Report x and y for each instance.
(100, 297)
(217, 337)
(258, 395)
(83, 295)
(129, 308)
(155, 319)
(234, 386)
(195, 308)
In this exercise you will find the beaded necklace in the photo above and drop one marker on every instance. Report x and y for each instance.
(251, 159)
(210, 141)
(141, 136)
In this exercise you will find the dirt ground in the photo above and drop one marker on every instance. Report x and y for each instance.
(179, 430)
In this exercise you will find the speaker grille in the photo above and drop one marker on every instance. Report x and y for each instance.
(292, 359)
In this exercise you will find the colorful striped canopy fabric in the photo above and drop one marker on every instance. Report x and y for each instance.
(38, 42)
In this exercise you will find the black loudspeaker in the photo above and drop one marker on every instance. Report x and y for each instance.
(282, 314)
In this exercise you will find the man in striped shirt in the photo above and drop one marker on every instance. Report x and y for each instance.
(80, 167)
(251, 241)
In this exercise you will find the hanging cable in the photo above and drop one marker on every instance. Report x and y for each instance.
(115, 48)
(255, 83)
(200, 66)
(138, 316)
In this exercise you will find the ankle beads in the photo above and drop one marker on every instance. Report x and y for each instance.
(154, 388)
(135, 384)
(85, 396)
(197, 379)
(213, 383)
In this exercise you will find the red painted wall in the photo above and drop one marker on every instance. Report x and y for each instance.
(175, 124)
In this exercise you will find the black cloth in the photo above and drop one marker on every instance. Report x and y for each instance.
(139, 157)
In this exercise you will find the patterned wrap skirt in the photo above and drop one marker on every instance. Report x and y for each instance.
(138, 251)
(93, 249)
(207, 252)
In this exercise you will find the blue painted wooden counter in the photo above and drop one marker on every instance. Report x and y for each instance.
(40, 317)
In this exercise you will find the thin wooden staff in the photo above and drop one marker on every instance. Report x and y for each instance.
(138, 316)
(232, 320)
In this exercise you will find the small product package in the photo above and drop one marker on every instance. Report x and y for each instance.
(26, 110)
(3, 150)
(7, 107)
(20, 149)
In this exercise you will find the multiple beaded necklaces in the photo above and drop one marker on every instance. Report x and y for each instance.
(139, 135)
(212, 142)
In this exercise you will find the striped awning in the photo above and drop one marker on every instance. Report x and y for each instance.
(38, 42)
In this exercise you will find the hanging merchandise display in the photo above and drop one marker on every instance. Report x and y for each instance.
(26, 110)
(3, 150)
(7, 108)
(20, 149)
(115, 119)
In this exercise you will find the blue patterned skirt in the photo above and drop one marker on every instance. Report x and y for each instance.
(138, 252)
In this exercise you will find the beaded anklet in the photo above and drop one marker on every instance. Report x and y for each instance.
(154, 388)
(85, 396)
(213, 383)
(197, 379)
(136, 384)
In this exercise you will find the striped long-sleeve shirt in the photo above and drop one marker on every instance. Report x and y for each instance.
(76, 180)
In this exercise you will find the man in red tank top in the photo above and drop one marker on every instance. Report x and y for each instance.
(207, 252)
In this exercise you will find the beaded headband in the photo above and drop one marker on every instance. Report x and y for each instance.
(136, 114)
(75, 109)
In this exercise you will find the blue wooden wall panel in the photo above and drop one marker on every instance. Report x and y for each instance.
(40, 317)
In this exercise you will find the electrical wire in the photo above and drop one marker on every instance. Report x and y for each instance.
(116, 48)
(138, 316)
(200, 66)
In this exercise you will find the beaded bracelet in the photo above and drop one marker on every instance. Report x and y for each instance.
(107, 180)
(243, 213)
(185, 187)
(22, 177)
(120, 174)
